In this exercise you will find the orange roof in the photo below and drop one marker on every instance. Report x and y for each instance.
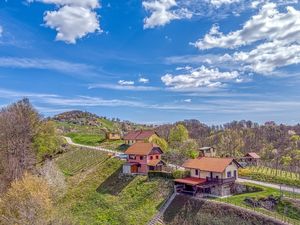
(253, 155)
(142, 149)
(209, 164)
(191, 180)
(139, 135)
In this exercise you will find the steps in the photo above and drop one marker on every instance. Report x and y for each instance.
(157, 220)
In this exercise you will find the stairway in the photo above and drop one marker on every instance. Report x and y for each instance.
(157, 220)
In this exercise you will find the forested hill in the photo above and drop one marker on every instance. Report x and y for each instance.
(238, 137)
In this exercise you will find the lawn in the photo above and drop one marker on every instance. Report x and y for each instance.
(270, 175)
(87, 139)
(266, 191)
(100, 194)
(118, 145)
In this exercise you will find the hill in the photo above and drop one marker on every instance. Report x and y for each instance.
(99, 194)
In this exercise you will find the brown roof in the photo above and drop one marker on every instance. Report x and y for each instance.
(141, 148)
(191, 180)
(139, 135)
(209, 164)
(253, 155)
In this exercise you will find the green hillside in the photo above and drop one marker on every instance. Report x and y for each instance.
(99, 194)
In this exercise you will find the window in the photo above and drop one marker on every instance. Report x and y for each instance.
(197, 172)
(229, 174)
(151, 157)
(141, 157)
(157, 157)
(131, 157)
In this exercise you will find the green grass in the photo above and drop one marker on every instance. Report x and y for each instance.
(117, 145)
(270, 175)
(79, 160)
(266, 191)
(101, 195)
(86, 139)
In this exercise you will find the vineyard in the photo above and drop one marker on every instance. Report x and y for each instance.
(80, 159)
(271, 175)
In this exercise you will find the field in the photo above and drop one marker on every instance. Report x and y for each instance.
(188, 211)
(290, 213)
(87, 139)
(270, 175)
(99, 194)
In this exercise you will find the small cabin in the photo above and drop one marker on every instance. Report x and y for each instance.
(207, 152)
(113, 136)
(142, 158)
(139, 136)
(251, 159)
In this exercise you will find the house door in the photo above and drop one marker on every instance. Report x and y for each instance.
(211, 175)
(134, 169)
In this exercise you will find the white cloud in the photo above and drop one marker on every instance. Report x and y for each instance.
(1, 31)
(73, 19)
(269, 25)
(219, 3)
(187, 100)
(273, 36)
(45, 64)
(162, 12)
(144, 80)
(124, 87)
(199, 77)
(126, 82)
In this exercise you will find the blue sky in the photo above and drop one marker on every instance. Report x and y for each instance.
(154, 61)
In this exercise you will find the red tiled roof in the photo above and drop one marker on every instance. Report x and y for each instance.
(141, 148)
(139, 135)
(191, 180)
(253, 155)
(209, 164)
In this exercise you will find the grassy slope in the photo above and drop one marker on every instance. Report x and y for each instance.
(98, 194)
(187, 211)
(266, 191)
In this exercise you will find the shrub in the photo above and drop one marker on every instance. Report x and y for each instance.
(180, 174)
(167, 175)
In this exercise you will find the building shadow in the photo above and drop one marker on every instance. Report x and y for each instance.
(115, 183)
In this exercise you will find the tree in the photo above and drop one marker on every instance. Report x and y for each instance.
(46, 140)
(18, 127)
(190, 148)
(178, 135)
(27, 202)
(161, 143)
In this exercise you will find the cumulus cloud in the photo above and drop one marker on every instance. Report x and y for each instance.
(269, 25)
(273, 36)
(144, 80)
(126, 82)
(163, 12)
(1, 31)
(199, 77)
(73, 19)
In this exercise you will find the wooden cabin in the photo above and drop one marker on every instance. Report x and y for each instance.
(207, 152)
(113, 136)
(143, 157)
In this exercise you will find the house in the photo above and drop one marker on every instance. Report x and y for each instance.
(143, 157)
(251, 159)
(208, 176)
(113, 136)
(139, 136)
(207, 152)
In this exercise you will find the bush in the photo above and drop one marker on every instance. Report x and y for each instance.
(152, 174)
(177, 174)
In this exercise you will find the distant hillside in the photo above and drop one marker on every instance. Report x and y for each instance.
(78, 117)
